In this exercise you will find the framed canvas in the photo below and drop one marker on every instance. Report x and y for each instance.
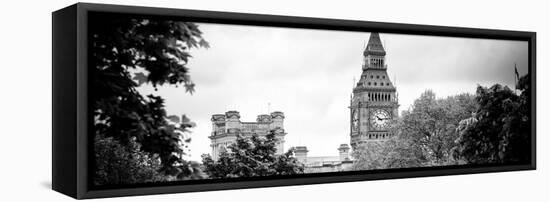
(157, 100)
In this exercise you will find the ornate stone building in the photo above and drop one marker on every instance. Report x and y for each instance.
(374, 102)
(226, 127)
(321, 164)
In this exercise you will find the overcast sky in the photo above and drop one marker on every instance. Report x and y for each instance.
(308, 75)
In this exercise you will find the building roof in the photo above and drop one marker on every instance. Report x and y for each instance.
(374, 46)
(322, 158)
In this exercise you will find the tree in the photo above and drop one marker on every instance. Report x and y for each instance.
(251, 157)
(499, 131)
(118, 164)
(424, 135)
(396, 152)
(431, 124)
(370, 156)
(126, 53)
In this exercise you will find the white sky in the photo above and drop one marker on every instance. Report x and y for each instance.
(308, 74)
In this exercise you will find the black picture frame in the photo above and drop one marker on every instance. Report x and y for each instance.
(71, 123)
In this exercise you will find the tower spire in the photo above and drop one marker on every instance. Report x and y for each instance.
(376, 87)
(374, 46)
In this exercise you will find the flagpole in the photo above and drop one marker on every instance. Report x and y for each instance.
(516, 78)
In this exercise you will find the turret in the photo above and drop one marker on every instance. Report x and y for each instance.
(278, 119)
(344, 152)
(233, 120)
(300, 152)
(263, 118)
(218, 124)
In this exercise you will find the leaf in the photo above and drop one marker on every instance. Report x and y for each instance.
(174, 118)
(140, 77)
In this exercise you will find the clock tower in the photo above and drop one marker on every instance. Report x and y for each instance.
(374, 102)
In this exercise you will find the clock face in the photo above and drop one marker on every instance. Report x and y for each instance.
(354, 120)
(380, 119)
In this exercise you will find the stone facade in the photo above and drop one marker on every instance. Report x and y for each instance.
(226, 127)
(374, 103)
(322, 164)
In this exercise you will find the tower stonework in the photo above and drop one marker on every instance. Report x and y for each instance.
(226, 127)
(374, 103)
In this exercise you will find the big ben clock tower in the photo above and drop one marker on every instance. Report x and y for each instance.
(374, 101)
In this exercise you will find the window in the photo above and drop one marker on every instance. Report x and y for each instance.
(377, 76)
(368, 83)
(388, 84)
(375, 83)
(371, 76)
(383, 77)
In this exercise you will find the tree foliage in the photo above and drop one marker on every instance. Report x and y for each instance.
(431, 124)
(424, 135)
(395, 152)
(127, 53)
(118, 164)
(251, 157)
(499, 131)
(491, 127)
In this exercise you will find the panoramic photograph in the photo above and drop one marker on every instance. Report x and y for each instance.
(178, 101)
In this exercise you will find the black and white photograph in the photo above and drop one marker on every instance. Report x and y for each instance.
(179, 100)
(275, 101)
